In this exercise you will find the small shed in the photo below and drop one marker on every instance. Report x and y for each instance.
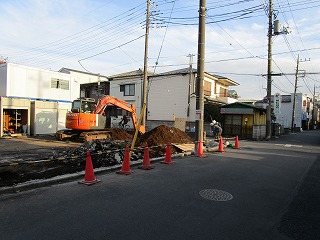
(15, 114)
(244, 120)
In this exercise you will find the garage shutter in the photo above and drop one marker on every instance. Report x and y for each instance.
(45, 121)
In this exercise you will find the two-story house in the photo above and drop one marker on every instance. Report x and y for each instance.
(171, 95)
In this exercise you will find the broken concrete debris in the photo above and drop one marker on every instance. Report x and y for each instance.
(104, 153)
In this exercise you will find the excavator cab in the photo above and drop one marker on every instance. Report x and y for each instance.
(82, 116)
(83, 105)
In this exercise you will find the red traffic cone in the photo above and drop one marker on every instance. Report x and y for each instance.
(89, 177)
(126, 163)
(168, 159)
(220, 149)
(146, 160)
(236, 145)
(200, 149)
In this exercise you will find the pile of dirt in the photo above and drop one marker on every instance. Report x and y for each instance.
(163, 135)
(120, 134)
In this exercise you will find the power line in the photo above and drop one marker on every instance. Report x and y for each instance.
(111, 48)
(83, 32)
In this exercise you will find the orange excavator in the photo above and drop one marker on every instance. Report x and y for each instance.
(89, 120)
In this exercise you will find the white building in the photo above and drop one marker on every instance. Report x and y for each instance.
(171, 95)
(36, 99)
(303, 111)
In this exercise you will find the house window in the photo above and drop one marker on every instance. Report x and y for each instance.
(59, 84)
(207, 88)
(127, 89)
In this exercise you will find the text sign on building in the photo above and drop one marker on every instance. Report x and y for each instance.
(198, 114)
(277, 103)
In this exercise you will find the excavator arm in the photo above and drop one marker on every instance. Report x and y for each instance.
(103, 102)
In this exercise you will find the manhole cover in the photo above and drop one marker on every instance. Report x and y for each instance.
(215, 195)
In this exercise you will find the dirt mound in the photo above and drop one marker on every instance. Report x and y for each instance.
(162, 135)
(120, 134)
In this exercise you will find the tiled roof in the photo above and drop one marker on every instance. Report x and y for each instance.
(138, 72)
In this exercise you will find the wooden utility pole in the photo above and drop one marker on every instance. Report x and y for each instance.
(294, 96)
(313, 104)
(200, 74)
(145, 68)
(269, 79)
(190, 81)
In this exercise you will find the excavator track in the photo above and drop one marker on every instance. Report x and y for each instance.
(64, 135)
(89, 136)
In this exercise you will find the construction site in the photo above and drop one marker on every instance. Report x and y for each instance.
(26, 158)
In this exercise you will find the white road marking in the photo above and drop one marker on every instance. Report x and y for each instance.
(289, 145)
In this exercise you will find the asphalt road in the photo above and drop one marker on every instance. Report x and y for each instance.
(251, 193)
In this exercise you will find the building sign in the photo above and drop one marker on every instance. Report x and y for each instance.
(277, 103)
(286, 98)
(198, 114)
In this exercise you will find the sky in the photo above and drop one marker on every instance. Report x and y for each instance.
(107, 37)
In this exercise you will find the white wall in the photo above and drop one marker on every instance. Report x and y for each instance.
(35, 83)
(136, 99)
(63, 108)
(285, 116)
(3, 79)
(168, 97)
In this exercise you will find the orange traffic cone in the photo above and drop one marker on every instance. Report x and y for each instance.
(168, 159)
(200, 149)
(146, 160)
(236, 145)
(126, 163)
(220, 149)
(89, 177)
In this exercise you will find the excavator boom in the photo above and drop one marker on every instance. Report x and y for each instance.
(107, 100)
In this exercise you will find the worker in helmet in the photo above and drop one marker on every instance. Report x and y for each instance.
(123, 121)
(216, 128)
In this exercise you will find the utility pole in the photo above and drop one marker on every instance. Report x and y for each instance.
(294, 96)
(190, 81)
(145, 68)
(295, 93)
(269, 81)
(200, 73)
(313, 104)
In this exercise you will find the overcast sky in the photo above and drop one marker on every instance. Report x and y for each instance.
(107, 37)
